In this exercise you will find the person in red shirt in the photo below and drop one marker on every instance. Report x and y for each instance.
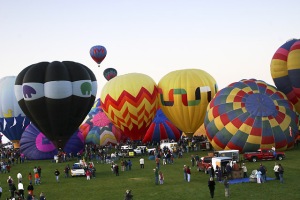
(88, 174)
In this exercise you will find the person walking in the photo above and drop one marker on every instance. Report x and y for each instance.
(21, 189)
(211, 186)
(67, 170)
(184, 173)
(226, 185)
(280, 171)
(57, 173)
(19, 176)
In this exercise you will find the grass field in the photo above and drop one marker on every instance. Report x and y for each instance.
(107, 186)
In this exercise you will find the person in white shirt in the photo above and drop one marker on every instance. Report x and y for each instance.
(142, 162)
(21, 189)
(276, 171)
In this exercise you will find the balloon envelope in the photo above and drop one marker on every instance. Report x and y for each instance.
(130, 101)
(248, 115)
(98, 53)
(56, 97)
(110, 73)
(285, 71)
(184, 96)
(161, 129)
(36, 146)
(12, 119)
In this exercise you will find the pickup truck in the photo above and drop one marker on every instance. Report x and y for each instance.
(204, 163)
(264, 154)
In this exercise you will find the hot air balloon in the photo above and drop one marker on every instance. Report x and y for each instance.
(161, 129)
(184, 96)
(110, 73)
(130, 101)
(98, 53)
(101, 130)
(56, 97)
(248, 115)
(285, 71)
(36, 146)
(12, 119)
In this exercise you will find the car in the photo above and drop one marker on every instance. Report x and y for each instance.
(77, 170)
(204, 164)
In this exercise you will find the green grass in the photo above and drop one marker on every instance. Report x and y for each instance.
(141, 181)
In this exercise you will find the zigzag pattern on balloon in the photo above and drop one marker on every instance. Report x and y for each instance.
(144, 97)
(183, 93)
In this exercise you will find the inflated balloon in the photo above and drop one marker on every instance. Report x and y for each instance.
(110, 73)
(161, 129)
(248, 115)
(130, 101)
(285, 71)
(56, 97)
(36, 146)
(98, 129)
(12, 119)
(98, 53)
(184, 96)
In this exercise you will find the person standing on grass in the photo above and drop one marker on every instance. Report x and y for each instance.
(188, 173)
(67, 170)
(30, 177)
(244, 170)
(184, 173)
(88, 174)
(211, 186)
(156, 175)
(276, 171)
(226, 185)
(161, 178)
(21, 189)
(56, 173)
(280, 170)
(30, 189)
(19, 176)
(142, 162)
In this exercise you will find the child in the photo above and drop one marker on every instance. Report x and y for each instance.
(30, 177)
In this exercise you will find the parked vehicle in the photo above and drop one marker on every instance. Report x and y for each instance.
(126, 153)
(264, 154)
(172, 146)
(234, 154)
(204, 163)
(221, 162)
(78, 169)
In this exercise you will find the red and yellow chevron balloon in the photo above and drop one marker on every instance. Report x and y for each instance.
(184, 96)
(285, 71)
(130, 101)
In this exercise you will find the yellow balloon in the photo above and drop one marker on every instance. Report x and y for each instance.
(184, 96)
(130, 101)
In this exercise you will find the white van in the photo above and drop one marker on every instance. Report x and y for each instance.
(172, 146)
(234, 154)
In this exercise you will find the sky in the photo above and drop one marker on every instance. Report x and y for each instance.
(231, 40)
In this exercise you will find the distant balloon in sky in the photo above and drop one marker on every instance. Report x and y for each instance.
(56, 97)
(285, 70)
(98, 53)
(251, 114)
(12, 119)
(130, 101)
(184, 96)
(110, 73)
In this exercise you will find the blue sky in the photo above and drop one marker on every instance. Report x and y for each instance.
(231, 40)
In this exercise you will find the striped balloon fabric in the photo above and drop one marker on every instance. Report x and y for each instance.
(248, 115)
(285, 70)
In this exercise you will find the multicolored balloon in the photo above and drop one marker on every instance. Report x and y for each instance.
(161, 129)
(285, 71)
(130, 101)
(56, 97)
(12, 119)
(36, 146)
(184, 96)
(98, 129)
(248, 115)
(110, 73)
(98, 53)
